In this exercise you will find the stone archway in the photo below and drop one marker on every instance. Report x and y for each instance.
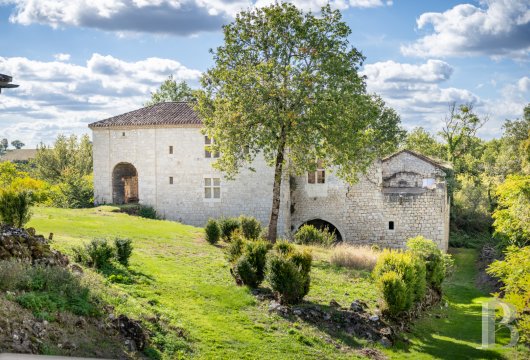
(124, 184)
(323, 224)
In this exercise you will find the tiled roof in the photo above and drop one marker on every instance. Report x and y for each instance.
(167, 113)
(19, 155)
(437, 163)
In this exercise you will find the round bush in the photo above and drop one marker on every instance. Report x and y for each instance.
(310, 235)
(212, 231)
(124, 250)
(228, 226)
(244, 270)
(434, 260)
(250, 226)
(394, 291)
(284, 247)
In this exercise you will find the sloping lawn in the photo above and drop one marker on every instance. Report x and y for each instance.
(186, 283)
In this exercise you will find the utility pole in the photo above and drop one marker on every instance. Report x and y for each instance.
(5, 82)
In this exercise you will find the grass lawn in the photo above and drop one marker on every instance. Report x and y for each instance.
(186, 283)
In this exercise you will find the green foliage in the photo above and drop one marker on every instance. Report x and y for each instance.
(17, 144)
(212, 231)
(394, 292)
(98, 253)
(147, 212)
(284, 247)
(74, 192)
(244, 271)
(235, 249)
(288, 275)
(250, 227)
(433, 257)
(124, 250)
(228, 226)
(425, 143)
(250, 266)
(410, 268)
(514, 273)
(512, 217)
(170, 90)
(259, 98)
(15, 207)
(310, 235)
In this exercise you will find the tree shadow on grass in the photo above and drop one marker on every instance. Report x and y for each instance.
(124, 275)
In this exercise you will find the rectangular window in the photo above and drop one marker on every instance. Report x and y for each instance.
(318, 176)
(171, 150)
(171, 180)
(207, 151)
(123, 133)
(212, 188)
(390, 225)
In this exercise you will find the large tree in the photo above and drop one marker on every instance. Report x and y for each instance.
(285, 85)
(170, 90)
(17, 144)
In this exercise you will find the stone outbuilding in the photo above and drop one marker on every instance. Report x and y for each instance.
(158, 156)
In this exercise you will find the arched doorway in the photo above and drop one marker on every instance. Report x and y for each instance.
(124, 184)
(323, 224)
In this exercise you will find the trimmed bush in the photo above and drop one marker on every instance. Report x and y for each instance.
(124, 250)
(310, 235)
(228, 226)
(235, 249)
(394, 291)
(249, 267)
(250, 227)
(410, 268)
(288, 274)
(434, 260)
(284, 247)
(244, 271)
(15, 207)
(98, 254)
(147, 212)
(213, 232)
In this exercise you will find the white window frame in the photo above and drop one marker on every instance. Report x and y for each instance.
(207, 153)
(317, 177)
(210, 184)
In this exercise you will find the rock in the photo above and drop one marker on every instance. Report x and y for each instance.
(334, 304)
(81, 323)
(297, 312)
(385, 342)
(131, 330)
(357, 306)
(374, 318)
(386, 331)
(76, 269)
(327, 316)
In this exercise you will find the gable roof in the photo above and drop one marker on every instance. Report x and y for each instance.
(437, 163)
(166, 113)
(19, 155)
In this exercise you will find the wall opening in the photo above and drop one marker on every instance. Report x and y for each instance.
(124, 184)
(390, 225)
(323, 224)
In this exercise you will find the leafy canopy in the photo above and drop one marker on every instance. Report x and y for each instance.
(285, 79)
(170, 90)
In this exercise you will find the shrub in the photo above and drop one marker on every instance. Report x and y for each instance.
(394, 291)
(250, 227)
(514, 272)
(310, 235)
(433, 257)
(15, 207)
(124, 250)
(284, 247)
(228, 226)
(411, 269)
(250, 266)
(147, 212)
(12, 274)
(288, 279)
(98, 253)
(235, 249)
(355, 257)
(212, 231)
(74, 191)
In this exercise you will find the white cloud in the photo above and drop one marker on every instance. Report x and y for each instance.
(497, 28)
(183, 17)
(61, 57)
(58, 96)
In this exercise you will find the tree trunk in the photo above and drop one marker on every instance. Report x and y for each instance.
(276, 191)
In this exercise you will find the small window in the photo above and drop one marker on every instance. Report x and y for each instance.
(318, 176)
(171, 150)
(123, 133)
(207, 151)
(212, 188)
(171, 180)
(390, 225)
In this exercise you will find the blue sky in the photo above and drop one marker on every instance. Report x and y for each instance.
(79, 61)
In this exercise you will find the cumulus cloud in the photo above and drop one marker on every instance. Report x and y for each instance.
(182, 17)
(497, 28)
(59, 96)
(61, 57)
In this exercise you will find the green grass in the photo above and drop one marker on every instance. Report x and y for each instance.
(186, 283)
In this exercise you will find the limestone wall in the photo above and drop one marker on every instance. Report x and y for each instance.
(184, 200)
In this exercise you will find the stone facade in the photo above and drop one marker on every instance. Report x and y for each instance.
(399, 197)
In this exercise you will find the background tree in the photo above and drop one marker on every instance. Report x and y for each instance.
(425, 143)
(170, 90)
(17, 144)
(4, 144)
(285, 85)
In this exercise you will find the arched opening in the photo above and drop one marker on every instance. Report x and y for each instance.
(323, 224)
(124, 184)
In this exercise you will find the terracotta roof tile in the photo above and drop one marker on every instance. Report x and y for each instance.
(167, 113)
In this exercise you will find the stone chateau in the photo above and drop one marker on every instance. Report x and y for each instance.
(157, 156)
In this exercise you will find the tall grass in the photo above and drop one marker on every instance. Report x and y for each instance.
(355, 257)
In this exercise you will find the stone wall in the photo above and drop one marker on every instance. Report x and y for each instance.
(148, 151)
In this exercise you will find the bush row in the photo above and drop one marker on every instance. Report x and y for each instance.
(99, 253)
(403, 276)
(225, 228)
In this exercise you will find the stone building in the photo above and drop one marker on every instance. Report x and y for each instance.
(158, 156)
